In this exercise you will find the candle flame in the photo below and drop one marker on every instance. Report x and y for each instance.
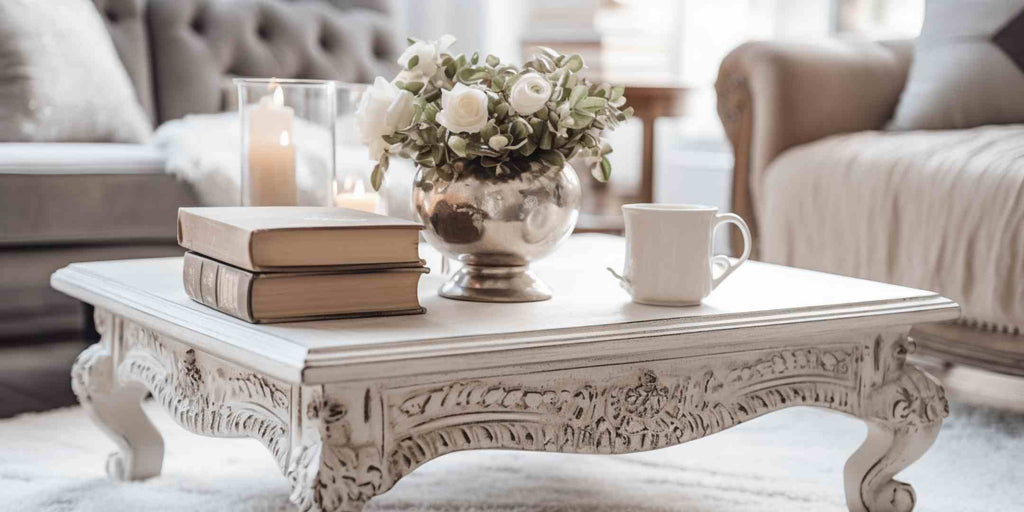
(278, 94)
(285, 140)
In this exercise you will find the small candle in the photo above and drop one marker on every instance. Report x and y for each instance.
(272, 153)
(358, 198)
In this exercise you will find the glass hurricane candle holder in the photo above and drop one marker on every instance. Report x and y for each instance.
(352, 166)
(287, 141)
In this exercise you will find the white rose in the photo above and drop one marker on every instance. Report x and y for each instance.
(529, 94)
(463, 109)
(400, 112)
(409, 77)
(383, 110)
(428, 56)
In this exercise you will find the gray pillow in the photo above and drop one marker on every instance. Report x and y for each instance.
(968, 67)
(60, 76)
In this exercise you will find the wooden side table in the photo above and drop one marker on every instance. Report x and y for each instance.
(601, 211)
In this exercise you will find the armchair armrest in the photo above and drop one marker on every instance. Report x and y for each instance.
(775, 95)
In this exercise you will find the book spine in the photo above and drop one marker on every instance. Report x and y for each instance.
(221, 287)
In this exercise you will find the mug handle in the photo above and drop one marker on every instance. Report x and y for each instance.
(723, 260)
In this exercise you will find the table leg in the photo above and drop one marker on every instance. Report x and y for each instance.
(117, 409)
(337, 461)
(904, 416)
(647, 168)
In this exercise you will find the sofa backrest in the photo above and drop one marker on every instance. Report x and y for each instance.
(126, 23)
(182, 54)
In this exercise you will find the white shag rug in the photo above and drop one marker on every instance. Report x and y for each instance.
(787, 461)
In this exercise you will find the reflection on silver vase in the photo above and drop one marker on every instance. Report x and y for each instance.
(496, 227)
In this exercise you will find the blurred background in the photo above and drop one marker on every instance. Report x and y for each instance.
(115, 113)
(672, 44)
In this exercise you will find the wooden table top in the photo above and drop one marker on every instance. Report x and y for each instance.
(589, 316)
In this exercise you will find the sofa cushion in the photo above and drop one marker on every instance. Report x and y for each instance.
(940, 210)
(60, 77)
(968, 67)
(52, 194)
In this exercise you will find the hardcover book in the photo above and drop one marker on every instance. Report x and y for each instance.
(296, 296)
(288, 239)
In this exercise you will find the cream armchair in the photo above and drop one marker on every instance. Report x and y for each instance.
(822, 186)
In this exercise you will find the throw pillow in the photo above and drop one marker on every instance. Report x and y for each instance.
(60, 77)
(968, 67)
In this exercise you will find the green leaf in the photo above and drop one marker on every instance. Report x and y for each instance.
(489, 130)
(444, 173)
(430, 113)
(520, 129)
(581, 119)
(395, 138)
(472, 74)
(563, 78)
(553, 158)
(545, 64)
(578, 93)
(528, 148)
(458, 145)
(475, 58)
(413, 62)
(497, 142)
(501, 109)
(592, 104)
(549, 52)
(413, 87)
(574, 63)
(477, 149)
(411, 41)
(492, 61)
(546, 141)
(377, 177)
(603, 172)
(617, 92)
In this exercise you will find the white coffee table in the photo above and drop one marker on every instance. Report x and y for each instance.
(348, 407)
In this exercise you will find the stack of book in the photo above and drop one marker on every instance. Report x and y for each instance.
(280, 264)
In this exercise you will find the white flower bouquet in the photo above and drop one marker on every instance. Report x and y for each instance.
(455, 114)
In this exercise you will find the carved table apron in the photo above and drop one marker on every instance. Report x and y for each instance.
(345, 423)
(341, 445)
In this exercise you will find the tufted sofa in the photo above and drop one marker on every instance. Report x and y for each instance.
(823, 185)
(65, 202)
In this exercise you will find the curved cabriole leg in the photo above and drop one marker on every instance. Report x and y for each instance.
(117, 409)
(869, 472)
(904, 416)
(337, 465)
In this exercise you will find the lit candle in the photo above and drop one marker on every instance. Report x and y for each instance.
(272, 152)
(358, 198)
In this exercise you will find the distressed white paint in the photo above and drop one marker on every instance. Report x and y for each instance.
(347, 408)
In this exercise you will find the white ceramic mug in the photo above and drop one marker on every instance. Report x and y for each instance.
(669, 247)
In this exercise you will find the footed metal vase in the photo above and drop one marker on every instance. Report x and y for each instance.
(496, 227)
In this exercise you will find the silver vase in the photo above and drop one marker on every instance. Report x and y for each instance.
(495, 227)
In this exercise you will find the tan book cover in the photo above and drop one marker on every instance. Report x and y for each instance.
(286, 239)
(297, 296)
